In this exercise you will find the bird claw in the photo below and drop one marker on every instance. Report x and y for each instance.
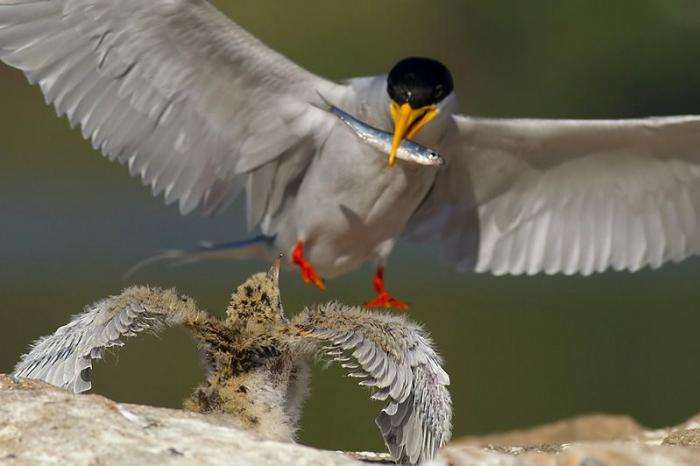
(308, 274)
(385, 300)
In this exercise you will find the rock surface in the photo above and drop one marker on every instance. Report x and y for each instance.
(40, 424)
(597, 440)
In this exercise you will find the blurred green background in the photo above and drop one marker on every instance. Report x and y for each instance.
(520, 351)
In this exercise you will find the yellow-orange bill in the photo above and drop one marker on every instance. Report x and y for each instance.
(407, 123)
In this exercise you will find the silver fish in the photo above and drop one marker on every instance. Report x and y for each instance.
(381, 140)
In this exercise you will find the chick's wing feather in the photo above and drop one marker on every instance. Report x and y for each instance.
(65, 358)
(396, 358)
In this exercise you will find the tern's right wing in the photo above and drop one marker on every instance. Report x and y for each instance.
(188, 99)
(395, 357)
(65, 358)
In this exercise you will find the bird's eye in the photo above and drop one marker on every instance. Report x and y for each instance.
(439, 92)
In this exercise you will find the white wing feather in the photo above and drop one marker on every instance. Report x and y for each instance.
(65, 358)
(567, 196)
(184, 96)
(396, 358)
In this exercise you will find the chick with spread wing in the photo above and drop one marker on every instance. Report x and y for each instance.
(258, 360)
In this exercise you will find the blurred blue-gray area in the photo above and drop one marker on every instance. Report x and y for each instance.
(520, 351)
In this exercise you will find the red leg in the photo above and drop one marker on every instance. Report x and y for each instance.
(308, 274)
(384, 298)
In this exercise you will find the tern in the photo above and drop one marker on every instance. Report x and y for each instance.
(202, 110)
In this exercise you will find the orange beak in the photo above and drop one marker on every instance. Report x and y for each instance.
(407, 123)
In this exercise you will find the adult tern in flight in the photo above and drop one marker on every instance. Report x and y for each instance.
(201, 110)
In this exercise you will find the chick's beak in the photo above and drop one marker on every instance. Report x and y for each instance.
(407, 123)
(274, 272)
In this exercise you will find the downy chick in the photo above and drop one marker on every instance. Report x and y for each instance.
(258, 361)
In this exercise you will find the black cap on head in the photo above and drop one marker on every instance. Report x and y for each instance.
(419, 82)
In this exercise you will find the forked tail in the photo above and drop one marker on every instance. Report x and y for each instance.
(259, 247)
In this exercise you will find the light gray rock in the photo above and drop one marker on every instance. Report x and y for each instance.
(590, 428)
(596, 440)
(41, 424)
(613, 453)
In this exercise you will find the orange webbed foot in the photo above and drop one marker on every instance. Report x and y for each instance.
(308, 274)
(384, 298)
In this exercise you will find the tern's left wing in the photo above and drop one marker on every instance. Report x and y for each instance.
(566, 196)
(64, 358)
(396, 357)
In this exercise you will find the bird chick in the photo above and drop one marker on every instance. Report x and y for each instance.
(255, 375)
(258, 361)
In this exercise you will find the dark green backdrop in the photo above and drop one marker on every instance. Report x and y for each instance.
(520, 351)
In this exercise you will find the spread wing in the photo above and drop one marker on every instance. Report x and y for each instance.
(567, 196)
(173, 88)
(396, 358)
(65, 358)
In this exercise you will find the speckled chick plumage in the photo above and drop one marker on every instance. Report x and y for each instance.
(258, 361)
(255, 373)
